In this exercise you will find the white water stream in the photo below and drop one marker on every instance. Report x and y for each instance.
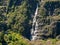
(34, 26)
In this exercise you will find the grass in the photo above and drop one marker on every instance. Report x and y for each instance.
(46, 42)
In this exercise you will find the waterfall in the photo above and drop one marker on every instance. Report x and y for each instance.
(34, 25)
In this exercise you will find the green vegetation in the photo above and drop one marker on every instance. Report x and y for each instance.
(12, 38)
(46, 42)
(16, 22)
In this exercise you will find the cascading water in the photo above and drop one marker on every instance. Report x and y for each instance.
(34, 25)
(36, 30)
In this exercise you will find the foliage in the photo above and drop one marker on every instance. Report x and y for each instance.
(3, 18)
(15, 39)
(16, 19)
(42, 12)
(46, 42)
(1, 36)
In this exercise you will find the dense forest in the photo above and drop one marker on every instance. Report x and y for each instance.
(16, 19)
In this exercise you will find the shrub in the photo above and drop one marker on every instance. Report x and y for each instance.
(15, 39)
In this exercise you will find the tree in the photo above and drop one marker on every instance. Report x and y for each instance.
(16, 19)
(13, 38)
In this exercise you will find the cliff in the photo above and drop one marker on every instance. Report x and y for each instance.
(18, 16)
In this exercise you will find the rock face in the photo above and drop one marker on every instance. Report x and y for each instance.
(48, 20)
(48, 17)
